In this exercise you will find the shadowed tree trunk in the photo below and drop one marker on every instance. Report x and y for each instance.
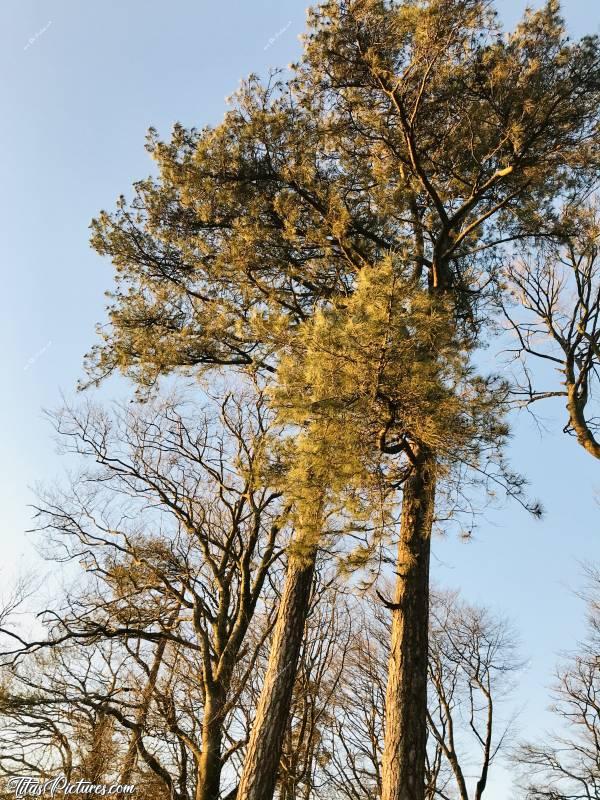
(209, 767)
(262, 758)
(406, 696)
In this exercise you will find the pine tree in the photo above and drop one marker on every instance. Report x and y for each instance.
(337, 237)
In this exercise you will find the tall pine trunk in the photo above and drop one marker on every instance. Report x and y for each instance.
(266, 739)
(403, 768)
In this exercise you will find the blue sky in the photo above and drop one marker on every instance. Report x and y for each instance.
(81, 84)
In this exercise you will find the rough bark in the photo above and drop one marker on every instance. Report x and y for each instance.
(266, 739)
(403, 768)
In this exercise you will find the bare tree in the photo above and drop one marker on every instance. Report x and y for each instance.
(180, 528)
(57, 718)
(567, 765)
(472, 664)
(556, 319)
(354, 738)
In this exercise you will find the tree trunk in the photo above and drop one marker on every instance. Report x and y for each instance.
(209, 768)
(403, 768)
(264, 748)
(575, 408)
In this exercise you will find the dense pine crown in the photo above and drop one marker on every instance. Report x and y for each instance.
(313, 237)
(414, 128)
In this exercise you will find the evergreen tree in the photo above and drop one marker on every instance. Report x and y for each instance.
(338, 236)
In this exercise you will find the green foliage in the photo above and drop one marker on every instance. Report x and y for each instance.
(373, 381)
(340, 233)
(386, 368)
(413, 128)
